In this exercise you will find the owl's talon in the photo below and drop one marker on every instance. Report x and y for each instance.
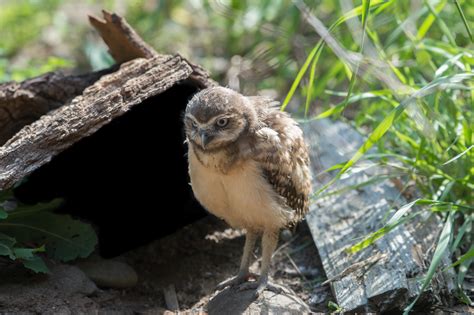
(235, 281)
(260, 287)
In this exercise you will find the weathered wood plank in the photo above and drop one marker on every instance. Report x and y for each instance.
(382, 276)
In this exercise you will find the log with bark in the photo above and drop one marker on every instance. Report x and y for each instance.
(41, 117)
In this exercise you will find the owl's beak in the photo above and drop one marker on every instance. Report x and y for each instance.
(205, 138)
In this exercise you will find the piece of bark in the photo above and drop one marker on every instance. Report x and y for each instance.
(123, 42)
(382, 276)
(110, 97)
(22, 103)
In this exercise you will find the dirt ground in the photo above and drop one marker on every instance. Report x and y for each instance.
(192, 261)
(195, 259)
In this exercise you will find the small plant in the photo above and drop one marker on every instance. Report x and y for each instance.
(334, 307)
(29, 233)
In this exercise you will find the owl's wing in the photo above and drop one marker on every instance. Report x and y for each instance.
(283, 157)
(263, 102)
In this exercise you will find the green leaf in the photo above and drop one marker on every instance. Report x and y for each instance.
(441, 248)
(6, 246)
(27, 253)
(36, 264)
(65, 238)
(3, 214)
(6, 250)
(27, 210)
(333, 307)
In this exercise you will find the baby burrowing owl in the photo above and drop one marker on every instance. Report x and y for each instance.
(248, 165)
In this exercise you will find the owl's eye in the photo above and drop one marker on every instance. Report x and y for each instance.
(195, 125)
(222, 122)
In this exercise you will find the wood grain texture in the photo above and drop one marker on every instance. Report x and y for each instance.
(22, 103)
(123, 42)
(108, 98)
(384, 275)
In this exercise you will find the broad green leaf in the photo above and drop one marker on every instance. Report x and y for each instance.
(65, 238)
(27, 210)
(27, 253)
(6, 250)
(36, 264)
(3, 213)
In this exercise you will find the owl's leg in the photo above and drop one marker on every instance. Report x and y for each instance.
(269, 243)
(243, 274)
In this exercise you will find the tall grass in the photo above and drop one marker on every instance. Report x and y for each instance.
(421, 106)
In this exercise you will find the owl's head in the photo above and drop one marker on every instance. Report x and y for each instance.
(217, 117)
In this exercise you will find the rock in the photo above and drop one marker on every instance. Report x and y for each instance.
(110, 273)
(286, 235)
(231, 301)
(71, 280)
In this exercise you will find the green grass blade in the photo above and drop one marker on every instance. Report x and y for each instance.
(465, 257)
(426, 25)
(458, 156)
(467, 225)
(300, 75)
(464, 20)
(441, 248)
(320, 45)
(311, 80)
(397, 219)
(365, 16)
(442, 83)
(444, 28)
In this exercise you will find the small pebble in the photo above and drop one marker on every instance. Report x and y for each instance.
(110, 273)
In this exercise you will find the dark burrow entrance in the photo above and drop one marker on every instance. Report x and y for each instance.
(129, 179)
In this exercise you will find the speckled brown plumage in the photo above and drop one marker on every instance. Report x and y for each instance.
(249, 165)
